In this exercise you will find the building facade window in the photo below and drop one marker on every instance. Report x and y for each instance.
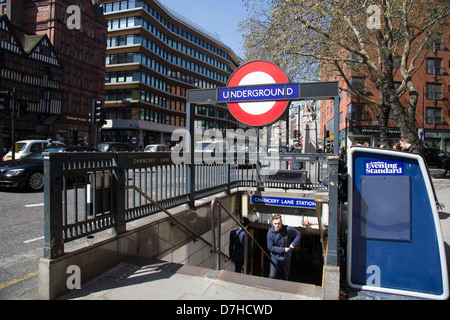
(434, 66)
(434, 91)
(359, 84)
(434, 115)
(357, 111)
(435, 42)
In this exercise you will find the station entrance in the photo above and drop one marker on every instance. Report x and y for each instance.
(258, 104)
(306, 263)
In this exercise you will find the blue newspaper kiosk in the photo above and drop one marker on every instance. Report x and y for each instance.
(395, 242)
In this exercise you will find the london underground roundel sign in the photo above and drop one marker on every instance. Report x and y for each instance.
(257, 82)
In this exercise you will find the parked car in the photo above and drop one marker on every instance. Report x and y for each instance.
(114, 146)
(27, 147)
(28, 172)
(156, 148)
(434, 156)
(242, 153)
(210, 146)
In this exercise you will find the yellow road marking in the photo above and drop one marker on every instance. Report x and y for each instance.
(9, 283)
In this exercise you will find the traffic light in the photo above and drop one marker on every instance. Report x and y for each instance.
(97, 111)
(97, 116)
(102, 121)
(22, 108)
(91, 118)
(4, 101)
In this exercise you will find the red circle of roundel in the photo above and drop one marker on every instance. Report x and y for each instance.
(278, 108)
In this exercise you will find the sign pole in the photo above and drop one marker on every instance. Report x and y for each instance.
(336, 125)
(188, 143)
(12, 105)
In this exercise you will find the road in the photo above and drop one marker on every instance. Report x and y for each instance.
(21, 243)
(22, 230)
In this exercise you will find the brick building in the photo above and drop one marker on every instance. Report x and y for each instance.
(77, 31)
(432, 80)
(29, 66)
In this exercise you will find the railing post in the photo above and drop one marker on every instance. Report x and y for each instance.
(331, 271)
(245, 253)
(332, 250)
(53, 217)
(118, 184)
(213, 225)
(319, 208)
(216, 241)
(219, 232)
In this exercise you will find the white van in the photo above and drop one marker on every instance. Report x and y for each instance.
(25, 147)
(156, 148)
(210, 146)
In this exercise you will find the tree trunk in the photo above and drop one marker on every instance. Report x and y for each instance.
(383, 123)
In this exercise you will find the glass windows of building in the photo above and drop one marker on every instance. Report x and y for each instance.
(357, 110)
(434, 115)
(359, 84)
(434, 66)
(434, 91)
(146, 78)
(128, 40)
(130, 22)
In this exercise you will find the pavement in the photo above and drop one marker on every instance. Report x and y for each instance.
(150, 279)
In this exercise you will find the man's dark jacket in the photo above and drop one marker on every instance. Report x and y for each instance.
(278, 241)
(236, 246)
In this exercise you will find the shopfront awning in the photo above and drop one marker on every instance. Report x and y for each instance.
(49, 121)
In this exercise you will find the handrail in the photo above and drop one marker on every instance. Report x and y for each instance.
(173, 217)
(319, 203)
(213, 204)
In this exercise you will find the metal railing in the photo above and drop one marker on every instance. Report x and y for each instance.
(86, 193)
(197, 235)
(216, 204)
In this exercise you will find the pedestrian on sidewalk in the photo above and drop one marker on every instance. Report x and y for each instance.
(281, 240)
(446, 164)
(237, 247)
(407, 145)
(397, 146)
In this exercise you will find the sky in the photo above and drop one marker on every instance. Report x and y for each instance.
(216, 16)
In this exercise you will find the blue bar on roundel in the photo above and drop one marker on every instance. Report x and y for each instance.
(259, 93)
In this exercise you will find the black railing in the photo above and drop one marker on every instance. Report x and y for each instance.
(86, 193)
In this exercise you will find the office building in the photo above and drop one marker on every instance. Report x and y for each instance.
(154, 55)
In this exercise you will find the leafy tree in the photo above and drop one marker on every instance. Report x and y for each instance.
(374, 39)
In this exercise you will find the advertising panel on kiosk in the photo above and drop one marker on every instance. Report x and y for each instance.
(395, 242)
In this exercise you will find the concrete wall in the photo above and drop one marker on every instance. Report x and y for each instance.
(198, 253)
(160, 238)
